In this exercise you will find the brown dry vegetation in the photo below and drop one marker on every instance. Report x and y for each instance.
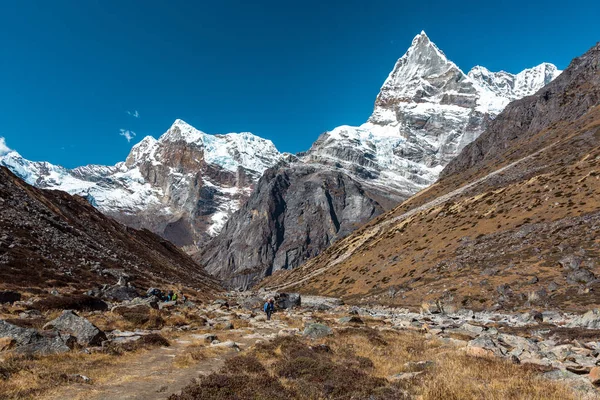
(357, 362)
(26, 377)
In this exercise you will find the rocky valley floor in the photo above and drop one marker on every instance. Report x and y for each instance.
(323, 349)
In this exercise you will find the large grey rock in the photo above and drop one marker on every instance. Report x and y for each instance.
(317, 331)
(590, 320)
(87, 334)
(120, 293)
(289, 300)
(31, 341)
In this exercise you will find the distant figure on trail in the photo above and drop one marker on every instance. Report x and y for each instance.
(269, 308)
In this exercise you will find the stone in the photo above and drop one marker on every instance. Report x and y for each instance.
(30, 341)
(288, 332)
(288, 300)
(230, 344)
(487, 345)
(581, 276)
(404, 376)
(317, 331)
(472, 328)
(536, 316)
(78, 378)
(207, 338)
(590, 320)
(8, 296)
(120, 293)
(167, 304)
(418, 366)
(87, 334)
(594, 376)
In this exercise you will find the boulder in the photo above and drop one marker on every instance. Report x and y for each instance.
(590, 320)
(288, 300)
(595, 376)
(228, 345)
(207, 338)
(166, 304)
(30, 341)
(485, 345)
(120, 293)
(418, 366)
(580, 276)
(87, 334)
(251, 302)
(321, 302)
(151, 301)
(7, 296)
(317, 331)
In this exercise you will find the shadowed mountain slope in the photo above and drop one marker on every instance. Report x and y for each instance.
(52, 239)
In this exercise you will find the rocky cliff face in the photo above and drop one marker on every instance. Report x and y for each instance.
(52, 239)
(426, 112)
(295, 211)
(512, 223)
(182, 186)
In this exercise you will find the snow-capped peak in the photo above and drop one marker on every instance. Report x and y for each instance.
(514, 86)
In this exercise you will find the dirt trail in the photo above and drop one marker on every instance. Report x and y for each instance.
(154, 375)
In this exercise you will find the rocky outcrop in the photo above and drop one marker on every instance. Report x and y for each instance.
(69, 322)
(294, 213)
(30, 341)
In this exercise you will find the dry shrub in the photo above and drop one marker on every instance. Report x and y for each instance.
(244, 365)
(462, 377)
(72, 302)
(27, 376)
(236, 386)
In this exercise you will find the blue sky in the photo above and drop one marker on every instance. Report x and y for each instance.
(285, 70)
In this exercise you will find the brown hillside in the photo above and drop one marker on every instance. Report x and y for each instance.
(52, 239)
(514, 222)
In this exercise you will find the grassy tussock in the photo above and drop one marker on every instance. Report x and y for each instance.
(359, 363)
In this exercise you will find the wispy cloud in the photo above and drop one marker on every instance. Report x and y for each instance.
(4, 149)
(134, 113)
(127, 134)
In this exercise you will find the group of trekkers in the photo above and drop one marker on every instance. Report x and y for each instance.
(169, 296)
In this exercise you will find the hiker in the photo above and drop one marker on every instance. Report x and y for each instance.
(170, 296)
(269, 308)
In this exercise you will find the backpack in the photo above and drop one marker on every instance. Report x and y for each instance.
(266, 307)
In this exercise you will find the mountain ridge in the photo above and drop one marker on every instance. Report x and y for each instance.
(426, 111)
(187, 184)
(511, 224)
